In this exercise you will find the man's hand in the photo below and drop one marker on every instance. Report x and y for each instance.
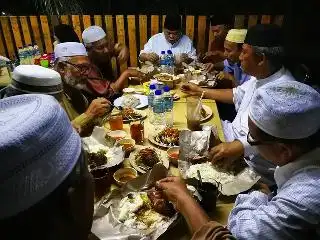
(225, 150)
(191, 89)
(225, 75)
(209, 67)
(151, 57)
(175, 190)
(98, 107)
(133, 73)
(123, 55)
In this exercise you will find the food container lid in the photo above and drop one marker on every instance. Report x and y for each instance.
(166, 88)
(158, 92)
(152, 86)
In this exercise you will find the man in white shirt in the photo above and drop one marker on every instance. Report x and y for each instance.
(171, 39)
(262, 58)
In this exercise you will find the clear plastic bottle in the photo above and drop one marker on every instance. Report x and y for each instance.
(29, 51)
(168, 106)
(158, 108)
(22, 56)
(152, 88)
(163, 63)
(170, 62)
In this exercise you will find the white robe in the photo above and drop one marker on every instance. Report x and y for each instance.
(238, 129)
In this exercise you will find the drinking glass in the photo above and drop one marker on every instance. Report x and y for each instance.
(193, 113)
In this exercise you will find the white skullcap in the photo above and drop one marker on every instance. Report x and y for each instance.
(286, 109)
(36, 79)
(236, 35)
(93, 34)
(38, 149)
(69, 49)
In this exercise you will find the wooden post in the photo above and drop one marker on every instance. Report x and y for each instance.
(265, 19)
(36, 32)
(132, 40)
(86, 19)
(121, 37)
(190, 27)
(201, 34)
(278, 20)
(239, 21)
(25, 30)
(7, 37)
(154, 25)
(64, 19)
(253, 20)
(143, 29)
(16, 31)
(76, 25)
(98, 20)
(110, 33)
(46, 33)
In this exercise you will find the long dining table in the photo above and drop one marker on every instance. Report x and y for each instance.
(224, 204)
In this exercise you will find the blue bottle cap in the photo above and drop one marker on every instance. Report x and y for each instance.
(152, 86)
(169, 52)
(158, 92)
(166, 88)
(163, 52)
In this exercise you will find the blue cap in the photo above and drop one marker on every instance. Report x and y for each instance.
(158, 92)
(163, 52)
(152, 86)
(169, 52)
(166, 88)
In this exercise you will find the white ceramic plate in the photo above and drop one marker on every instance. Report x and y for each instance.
(209, 113)
(143, 101)
(142, 113)
(162, 155)
(152, 139)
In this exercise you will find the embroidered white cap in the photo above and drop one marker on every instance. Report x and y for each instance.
(286, 109)
(93, 34)
(236, 35)
(69, 49)
(38, 149)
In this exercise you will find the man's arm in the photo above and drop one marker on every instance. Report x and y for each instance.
(220, 95)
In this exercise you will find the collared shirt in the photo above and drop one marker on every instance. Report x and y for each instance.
(293, 213)
(238, 129)
(158, 43)
(236, 70)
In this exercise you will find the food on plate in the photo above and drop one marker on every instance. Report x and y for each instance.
(231, 165)
(130, 114)
(148, 157)
(159, 203)
(162, 77)
(98, 155)
(130, 101)
(136, 211)
(168, 136)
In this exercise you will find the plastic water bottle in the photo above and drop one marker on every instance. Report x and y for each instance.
(152, 88)
(170, 62)
(168, 106)
(22, 56)
(158, 108)
(163, 63)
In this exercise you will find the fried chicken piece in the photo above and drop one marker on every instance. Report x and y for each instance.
(159, 203)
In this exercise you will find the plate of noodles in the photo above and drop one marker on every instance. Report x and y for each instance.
(132, 101)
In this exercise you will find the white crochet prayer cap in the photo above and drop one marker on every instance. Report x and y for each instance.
(236, 35)
(38, 149)
(286, 109)
(69, 49)
(93, 34)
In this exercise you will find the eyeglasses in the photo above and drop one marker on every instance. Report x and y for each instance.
(82, 68)
(254, 142)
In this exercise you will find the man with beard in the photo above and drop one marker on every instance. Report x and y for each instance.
(171, 39)
(101, 50)
(77, 71)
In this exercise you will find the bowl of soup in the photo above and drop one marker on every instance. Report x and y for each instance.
(124, 175)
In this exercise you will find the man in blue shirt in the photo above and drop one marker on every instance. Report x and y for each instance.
(232, 49)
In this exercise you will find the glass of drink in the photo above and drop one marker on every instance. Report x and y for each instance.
(193, 113)
(137, 131)
(102, 181)
(116, 122)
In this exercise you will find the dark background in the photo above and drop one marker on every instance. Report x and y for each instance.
(206, 7)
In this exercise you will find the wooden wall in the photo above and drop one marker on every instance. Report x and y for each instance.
(131, 30)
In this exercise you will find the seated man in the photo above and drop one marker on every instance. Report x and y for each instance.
(219, 26)
(276, 115)
(101, 50)
(232, 49)
(28, 79)
(172, 39)
(77, 71)
(262, 58)
(46, 189)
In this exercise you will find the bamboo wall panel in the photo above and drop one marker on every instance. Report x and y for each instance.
(110, 32)
(201, 33)
(86, 20)
(36, 32)
(16, 31)
(46, 34)
(132, 40)
(154, 25)
(98, 20)
(64, 19)
(25, 30)
(143, 30)
(121, 37)
(77, 25)
(190, 27)
(7, 37)
(265, 19)
(253, 20)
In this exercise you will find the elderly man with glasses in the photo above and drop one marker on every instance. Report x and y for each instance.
(77, 71)
(172, 39)
(284, 125)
